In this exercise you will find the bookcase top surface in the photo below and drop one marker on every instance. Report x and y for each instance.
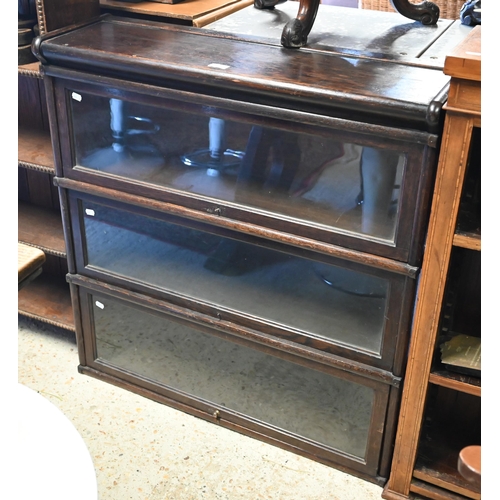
(358, 32)
(368, 78)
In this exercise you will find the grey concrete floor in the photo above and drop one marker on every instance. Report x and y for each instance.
(143, 450)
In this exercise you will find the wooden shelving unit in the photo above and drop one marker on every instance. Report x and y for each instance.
(443, 435)
(39, 219)
(41, 227)
(35, 150)
(440, 409)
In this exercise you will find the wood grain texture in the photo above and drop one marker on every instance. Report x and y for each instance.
(197, 12)
(41, 228)
(455, 383)
(465, 60)
(432, 492)
(448, 190)
(34, 150)
(465, 241)
(47, 299)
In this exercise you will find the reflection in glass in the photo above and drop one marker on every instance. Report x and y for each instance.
(316, 299)
(308, 175)
(217, 158)
(306, 402)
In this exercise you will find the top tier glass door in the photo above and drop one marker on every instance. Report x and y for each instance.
(304, 174)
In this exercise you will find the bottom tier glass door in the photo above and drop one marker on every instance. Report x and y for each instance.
(342, 414)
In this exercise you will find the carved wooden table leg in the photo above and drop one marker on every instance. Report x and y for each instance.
(424, 12)
(295, 32)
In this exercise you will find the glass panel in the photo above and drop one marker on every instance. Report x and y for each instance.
(306, 402)
(324, 300)
(307, 176)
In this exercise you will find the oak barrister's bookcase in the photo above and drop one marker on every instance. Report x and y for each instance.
(245, 224)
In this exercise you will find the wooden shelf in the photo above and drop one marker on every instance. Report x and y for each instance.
(47, 299)
(41, 228)
(422, 489)
(462, 383)
(470, 241)
(30, 69)
(450, 484)
(438, 457)
(34, 150)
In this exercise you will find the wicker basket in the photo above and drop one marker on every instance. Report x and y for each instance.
(449, 9)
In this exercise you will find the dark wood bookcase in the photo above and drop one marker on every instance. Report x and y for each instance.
(245, 225)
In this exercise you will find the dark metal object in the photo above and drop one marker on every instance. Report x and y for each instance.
(217, 157)
(470, 13)
(202, 158)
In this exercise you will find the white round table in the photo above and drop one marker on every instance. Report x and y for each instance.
(52, 455)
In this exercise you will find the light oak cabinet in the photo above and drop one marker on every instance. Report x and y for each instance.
(440, 411)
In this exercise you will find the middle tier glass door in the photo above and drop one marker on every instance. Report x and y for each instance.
(316, 299)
